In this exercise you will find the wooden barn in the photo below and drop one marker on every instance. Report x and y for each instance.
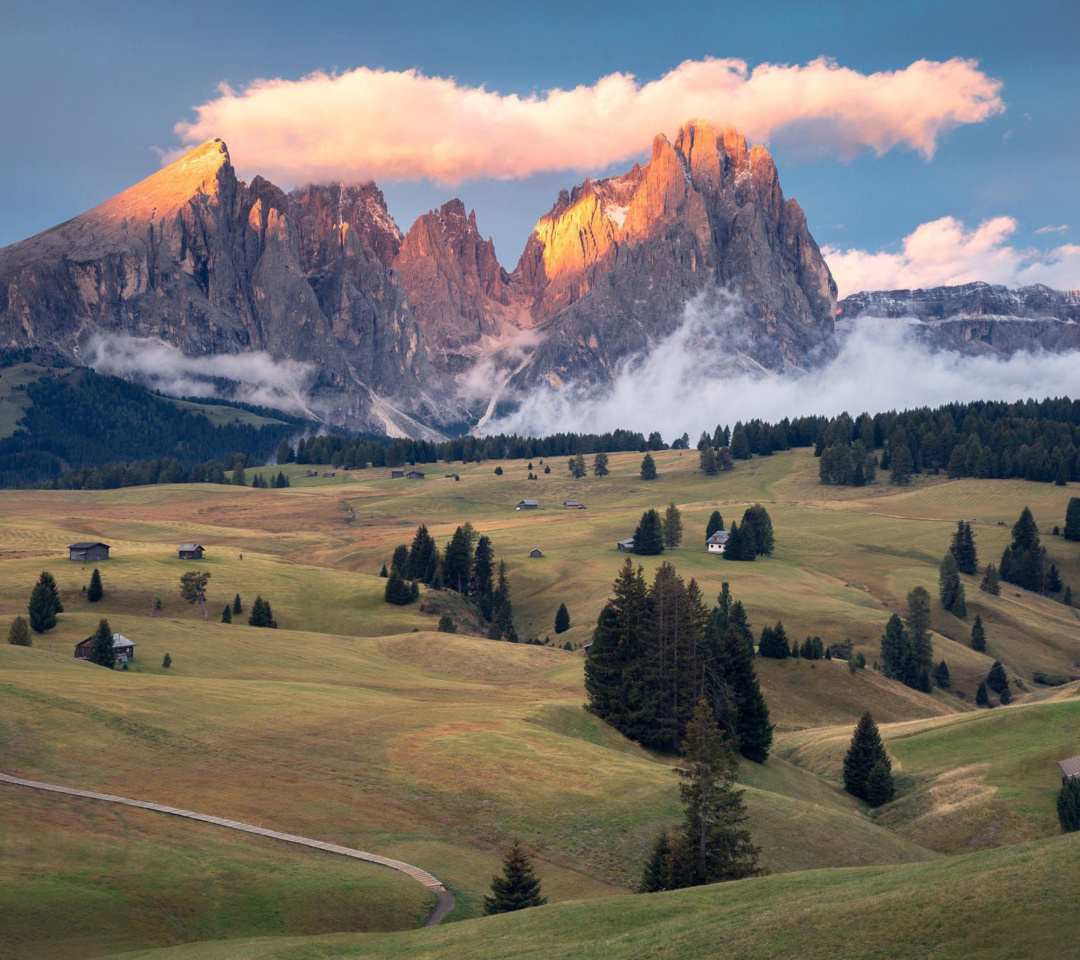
(125, 649)
(88, 551)
(397, 474)
(625, 546)
(190, 551)
(536, 553)
(414, 475)
(573, 505)
(1070, 769)
(528, 505)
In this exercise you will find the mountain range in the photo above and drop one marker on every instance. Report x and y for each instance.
(425, 333)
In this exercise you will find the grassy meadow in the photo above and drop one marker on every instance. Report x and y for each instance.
(356, 723)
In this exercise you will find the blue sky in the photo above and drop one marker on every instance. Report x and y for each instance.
(91, 88)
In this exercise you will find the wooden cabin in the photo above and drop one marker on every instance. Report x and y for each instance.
(573, 505)
(88, 551)
(125, 649)
(190, 551)
(1070, 769)
(414, 475)
(528, 505)
(625, 546)
(536, 553)
(717, 543)
(397, 474)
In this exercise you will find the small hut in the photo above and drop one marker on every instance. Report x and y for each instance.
(528, 505)
(625, 546)
(190, 551)
(717, 543)
(415, 475)
(397, 474)
(573, 505)
(536, 553)
(125, 649)
(88, 550)
(1070, 769)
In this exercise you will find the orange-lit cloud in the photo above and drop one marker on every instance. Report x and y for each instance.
(945, 251)
(401, 125)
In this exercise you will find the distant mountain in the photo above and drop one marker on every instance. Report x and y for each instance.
(420, 333)
(978, 318)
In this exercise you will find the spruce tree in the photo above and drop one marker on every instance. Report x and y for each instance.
(896, 655)
(952, 588)
(865, 751)
(879, 784)
(19, 633)
(1053, 579)
(901, 466)
(708, 462)
(649, 536)
(941, 676)
(774, 643)
(166, 661)
(672, 527)
(457, 561)
(740, 443)
(421, 560)
(518, 888)
(237, 607)
(922, 647)
(717, 845)
(95, 592)
(102, 651)
(481, 582)
(49, 582)
(446, 624)
(42, 608)
(754, 731)
(226, 614)
(577, 466)
(963, 549)
(990, 582)
(757, 527)
(978, 635)
(659, 872)
(715, 524)
(1067, 597)
(193, 585)
(600, 465)
(399, 558)
(1068, 805)
(996, 679)
(982, 698)
(383, 572)
(1072, 519)
(741, 544)
(562, 619)
(648, 467)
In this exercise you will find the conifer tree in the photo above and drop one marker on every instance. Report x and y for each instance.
(900, 465)
(457, 561)
(648, 467)
(397, 591)
(659, 872)
(102, 651)
(49, 581)
(193, 585)
(1053, 579)
(649, 536)
(978, 635)
(618, 641)
(1067, 597)
(1068, 805)
(166, 661)
(996, 679)
(941, 676)
(577, 466)
(237, 607)
(399, 558)
(481, 585)
(562, 619)
(226, 614)
(44, 604)
(774, 643)
(96, 591)
(879, 784)
(865, 751)
(963, 549)
(600, 465)
(922, 647)
(384, 573)
(715, 524)
(518, 888)
(757, 528)
(982, 698)
(753, 729)
(420, 564)
(672, 527)
(740, 443)
(741, 545)
(1072, 519)
(952, 588)
(708, 462)
(896, 654)
(446, 624)
(990, 582)
(19, 633)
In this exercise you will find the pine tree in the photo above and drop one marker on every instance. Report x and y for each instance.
(226, 614)
(237, 607)
(518, 887)
(774, 643)
(1067, 598)
(963, 549)
(978, 635)
(1068, 805)
(193, 585)
(717, 845)
(982, 698)
(741, 545)
(383, 572)
(659, 872)
(399, 558)
(996, 679)
(753, 729)
(648, 467)
(672, 527)
(562, 619)
(649, 537)
(446, 624)
(49, 582)
(600, 465)
(19, 633)
(1053, 579)
(879, 784)
(865, 751)
(757, 522)
(740, 443)
(617, 643)
(708, 462)
(715, 524)
(922, 647)
(239, 478)
(95, 591)
(498, 471)
(457, 561)
(896, 657)
(42, 608)
(420, 564)
(990, 582)
(952, 588)
(166, 661)
(102, 651)
(481, 584)
(941, 676)
(397, 591)
(901, 466)
(1072, 519)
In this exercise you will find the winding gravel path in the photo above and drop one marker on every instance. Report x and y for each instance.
(444, 899)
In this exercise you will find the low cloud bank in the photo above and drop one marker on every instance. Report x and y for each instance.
(367, 124)
(945, 251)
(253, 377)
(697, 378)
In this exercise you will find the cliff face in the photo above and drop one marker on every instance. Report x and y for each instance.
(978, 318)
(197, 258)
(615, 261)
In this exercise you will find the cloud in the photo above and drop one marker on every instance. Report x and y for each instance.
(253, 377)
(694, 379)
(1059, 229)
(402, 125)
(945, 251)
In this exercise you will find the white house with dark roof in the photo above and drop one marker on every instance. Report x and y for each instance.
(717, 543)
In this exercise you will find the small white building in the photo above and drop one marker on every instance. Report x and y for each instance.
(717, 543)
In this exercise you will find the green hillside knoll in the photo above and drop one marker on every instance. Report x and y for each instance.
(1005, 904)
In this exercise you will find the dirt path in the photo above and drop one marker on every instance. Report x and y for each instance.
(444, 900)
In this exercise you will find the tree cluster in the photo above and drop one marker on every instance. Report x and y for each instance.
(907, 651)
(963, 549)
(261, 614)
(657, 651)
(752, 538)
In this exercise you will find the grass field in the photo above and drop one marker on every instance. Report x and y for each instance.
(1020, 902)
(347, 726)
